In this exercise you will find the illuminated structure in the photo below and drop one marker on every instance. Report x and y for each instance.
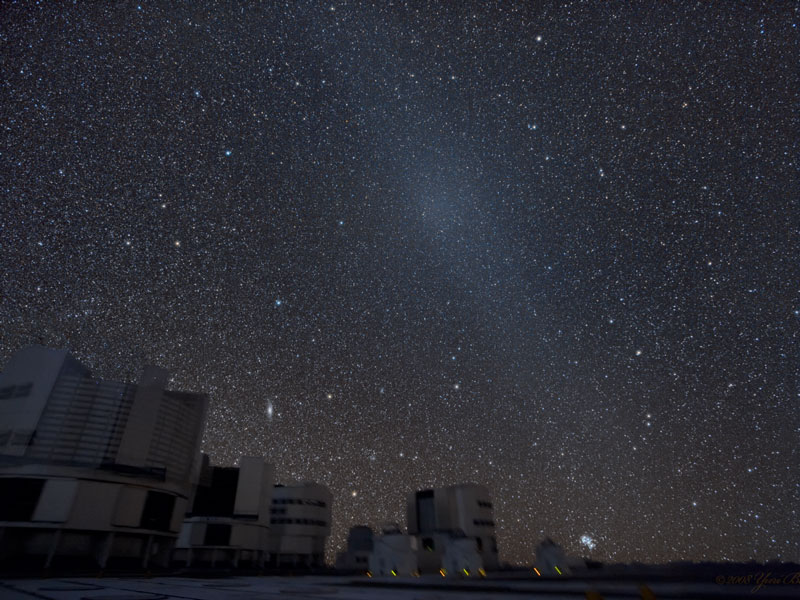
(300, 523)
(92, 469)
(438, 516)
(394, 554)
(461, 558)
(552, 560)
(229, 520)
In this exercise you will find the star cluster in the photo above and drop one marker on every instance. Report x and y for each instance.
(552, 251)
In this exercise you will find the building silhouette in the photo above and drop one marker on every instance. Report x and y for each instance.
(300, 524)
(229, 519)
(438, 517)
(359, 546)
(394, 554)
(91, 469)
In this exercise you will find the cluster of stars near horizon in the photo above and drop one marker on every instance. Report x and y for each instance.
(548, 250)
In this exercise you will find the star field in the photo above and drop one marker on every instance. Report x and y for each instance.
(554, 252)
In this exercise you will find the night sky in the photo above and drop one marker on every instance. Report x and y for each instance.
(551, 251)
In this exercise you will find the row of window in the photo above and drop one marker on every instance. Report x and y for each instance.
(15, 391)
(483, 522)
(282, 521)
(306, 501)
(484, 504)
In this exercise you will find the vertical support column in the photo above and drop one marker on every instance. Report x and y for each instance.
(164, 549)
(51, 552)
(146, 554)
(105, 550)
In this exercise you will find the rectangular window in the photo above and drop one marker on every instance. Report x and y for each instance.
(426, 511)
(157, 513)
(19, 497)
(217, 534)
(219, 498)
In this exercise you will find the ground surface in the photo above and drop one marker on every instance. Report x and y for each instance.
(265, 588)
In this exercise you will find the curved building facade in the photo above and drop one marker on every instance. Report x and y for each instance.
(91, 469)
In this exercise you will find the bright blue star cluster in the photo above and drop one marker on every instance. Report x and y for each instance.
(552, 249)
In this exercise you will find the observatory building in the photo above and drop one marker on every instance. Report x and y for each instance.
(91, 469)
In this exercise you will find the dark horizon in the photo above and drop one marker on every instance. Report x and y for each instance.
(552, 251)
